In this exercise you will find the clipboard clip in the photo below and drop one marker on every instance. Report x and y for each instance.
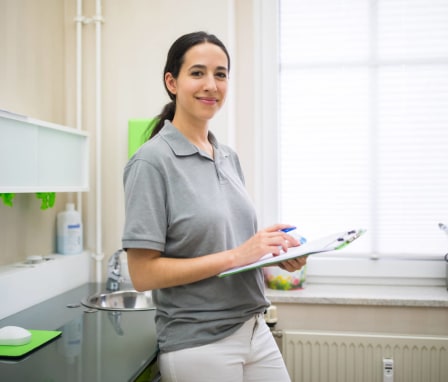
(349, 237)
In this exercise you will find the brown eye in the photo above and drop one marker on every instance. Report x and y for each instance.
(221, 75)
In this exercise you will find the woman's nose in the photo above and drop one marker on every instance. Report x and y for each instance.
(210, 83)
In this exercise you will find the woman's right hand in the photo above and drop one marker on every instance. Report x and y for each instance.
(268, 240)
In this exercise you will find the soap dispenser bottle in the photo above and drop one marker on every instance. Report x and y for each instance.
(69, 231)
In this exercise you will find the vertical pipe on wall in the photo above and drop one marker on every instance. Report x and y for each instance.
(79, 21)
(98, 121)
(98, 130)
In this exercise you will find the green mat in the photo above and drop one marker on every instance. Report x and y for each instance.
(38, 338)
(139, 131)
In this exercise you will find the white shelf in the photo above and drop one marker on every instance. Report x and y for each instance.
(38, 156)
(24, 285)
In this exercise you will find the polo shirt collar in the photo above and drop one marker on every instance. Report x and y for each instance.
(180, 145)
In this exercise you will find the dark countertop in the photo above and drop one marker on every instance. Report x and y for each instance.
(99, 346)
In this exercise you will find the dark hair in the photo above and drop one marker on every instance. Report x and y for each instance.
(174, 62)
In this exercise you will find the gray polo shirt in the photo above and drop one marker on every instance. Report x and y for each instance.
(183, 203)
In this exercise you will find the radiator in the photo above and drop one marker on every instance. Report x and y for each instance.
(312, 356)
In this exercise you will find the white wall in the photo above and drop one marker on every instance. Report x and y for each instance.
(37, 69)
(32, 78)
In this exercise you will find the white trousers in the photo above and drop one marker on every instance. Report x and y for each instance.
(249, 355)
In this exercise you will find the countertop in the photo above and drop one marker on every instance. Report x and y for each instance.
(98, 346)
(404, 296)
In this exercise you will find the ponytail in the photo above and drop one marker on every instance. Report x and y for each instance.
(167, 113)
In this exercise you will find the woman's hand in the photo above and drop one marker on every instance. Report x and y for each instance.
(268, 240)
(293, 264)
(296, 264)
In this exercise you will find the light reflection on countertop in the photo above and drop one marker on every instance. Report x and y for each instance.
(410, 296)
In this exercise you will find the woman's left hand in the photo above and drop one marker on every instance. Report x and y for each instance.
(293, 264)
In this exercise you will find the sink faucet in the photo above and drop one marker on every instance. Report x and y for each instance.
(114, 272)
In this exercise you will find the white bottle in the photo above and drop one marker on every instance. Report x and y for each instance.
(69, 231)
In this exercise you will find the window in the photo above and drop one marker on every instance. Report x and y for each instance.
(363, 116)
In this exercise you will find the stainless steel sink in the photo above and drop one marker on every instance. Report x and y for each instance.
(122, 300)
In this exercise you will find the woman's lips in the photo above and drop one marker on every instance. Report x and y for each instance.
(207, 100)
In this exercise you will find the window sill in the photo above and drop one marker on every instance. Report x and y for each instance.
(400, 296)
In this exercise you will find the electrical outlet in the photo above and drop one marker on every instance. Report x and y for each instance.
(388, 370)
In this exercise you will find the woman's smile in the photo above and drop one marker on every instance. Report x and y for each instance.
(208, 100)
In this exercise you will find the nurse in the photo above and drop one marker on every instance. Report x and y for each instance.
(188, 218)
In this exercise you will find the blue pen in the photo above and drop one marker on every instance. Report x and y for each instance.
(295, 235)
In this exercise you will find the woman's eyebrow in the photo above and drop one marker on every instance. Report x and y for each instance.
(203, 67)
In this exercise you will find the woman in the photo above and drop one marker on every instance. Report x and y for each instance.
(188, 218)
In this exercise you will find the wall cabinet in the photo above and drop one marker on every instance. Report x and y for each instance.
(38, 156)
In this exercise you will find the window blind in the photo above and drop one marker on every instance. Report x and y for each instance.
(364, 122)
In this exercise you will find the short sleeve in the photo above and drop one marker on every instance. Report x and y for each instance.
(145, 205)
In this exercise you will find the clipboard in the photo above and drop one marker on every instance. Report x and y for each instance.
(333, 242)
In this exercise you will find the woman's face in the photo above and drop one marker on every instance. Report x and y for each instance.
(201, 86)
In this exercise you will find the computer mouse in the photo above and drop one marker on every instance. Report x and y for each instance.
(14, 335)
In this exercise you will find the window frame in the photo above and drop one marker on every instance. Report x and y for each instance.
(320, 269)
